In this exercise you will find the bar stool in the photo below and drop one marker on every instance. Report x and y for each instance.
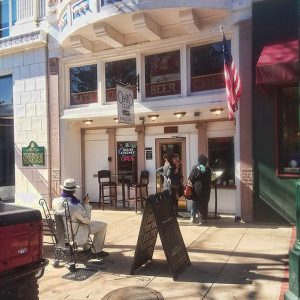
(138, 190)
(106, 184)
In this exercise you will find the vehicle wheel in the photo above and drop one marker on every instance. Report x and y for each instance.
(27, 290)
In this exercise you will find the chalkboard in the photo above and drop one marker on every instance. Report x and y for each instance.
(146, 240)
(159, 211)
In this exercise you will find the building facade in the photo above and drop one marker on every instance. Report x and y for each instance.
(66, 59)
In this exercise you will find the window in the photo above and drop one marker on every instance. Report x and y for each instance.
(289, 139)
(127, 160)
(221, 158)
(105, 2)
(83, 85)
(8, 16)
(7, 151)
(123, 71)
(207, 67)
(162, 74)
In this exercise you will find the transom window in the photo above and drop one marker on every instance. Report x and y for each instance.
(123, 71)
(162, 74)
(8, 16)
(289, 138)
(207, 67)
(83, 85)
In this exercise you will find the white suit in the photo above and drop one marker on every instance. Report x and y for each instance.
(81, 224)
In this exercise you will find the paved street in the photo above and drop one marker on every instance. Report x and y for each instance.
(229, 260)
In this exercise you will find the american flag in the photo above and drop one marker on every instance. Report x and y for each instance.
(232, 80)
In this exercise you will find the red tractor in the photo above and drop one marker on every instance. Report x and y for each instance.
(21, 252)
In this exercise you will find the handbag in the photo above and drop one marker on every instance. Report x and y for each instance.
(188, 190)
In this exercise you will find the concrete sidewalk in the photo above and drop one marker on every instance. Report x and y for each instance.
(229, 260)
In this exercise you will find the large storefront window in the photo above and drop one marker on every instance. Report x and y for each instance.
(8, 16)
(123, 71)
(221, 158)
(289, 138)
(207, 67)
(83, 85)
(162, 74)
(127, 160)
(7, 151)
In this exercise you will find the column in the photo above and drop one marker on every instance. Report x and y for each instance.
(54, 129)
(140, 130)
(112, 146)
(202, 138)
(245, 120)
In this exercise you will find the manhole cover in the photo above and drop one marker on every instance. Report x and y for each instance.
(133, 293)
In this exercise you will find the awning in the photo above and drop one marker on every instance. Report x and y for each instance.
(278, 63)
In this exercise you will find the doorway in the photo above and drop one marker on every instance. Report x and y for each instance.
(175, 145)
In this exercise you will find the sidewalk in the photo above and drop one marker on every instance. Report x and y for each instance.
(229, 260)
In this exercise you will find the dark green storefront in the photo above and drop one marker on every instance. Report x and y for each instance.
(276, 166)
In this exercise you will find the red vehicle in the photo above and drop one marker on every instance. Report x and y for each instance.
(21, 252)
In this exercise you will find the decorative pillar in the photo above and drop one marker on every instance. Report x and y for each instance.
(202, 138)
(28, 12)
(27, 9)
(245, 119)
(54, 129)
(112, 147)
(140, 130)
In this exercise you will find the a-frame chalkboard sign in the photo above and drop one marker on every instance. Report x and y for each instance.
(159, 217)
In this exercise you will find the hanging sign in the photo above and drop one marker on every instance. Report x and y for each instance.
(33, 155)
(125, 104)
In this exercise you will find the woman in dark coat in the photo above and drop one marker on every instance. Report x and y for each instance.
(201, 179)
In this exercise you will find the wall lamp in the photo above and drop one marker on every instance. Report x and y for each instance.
(179, 114)
(153, 117)
(217, 111)
(87, 122)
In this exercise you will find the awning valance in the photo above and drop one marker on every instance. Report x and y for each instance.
(278, 63)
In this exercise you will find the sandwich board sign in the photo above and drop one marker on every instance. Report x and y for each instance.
(159, 218)
(125, 104)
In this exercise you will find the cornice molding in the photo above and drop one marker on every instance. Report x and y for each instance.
(30, 40)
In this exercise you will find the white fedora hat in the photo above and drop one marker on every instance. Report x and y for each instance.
(69, 185)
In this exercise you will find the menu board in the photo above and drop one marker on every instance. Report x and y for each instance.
(159, 217)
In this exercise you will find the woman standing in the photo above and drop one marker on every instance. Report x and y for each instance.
(201, 179)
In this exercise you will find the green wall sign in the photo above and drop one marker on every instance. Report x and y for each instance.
(33, 155)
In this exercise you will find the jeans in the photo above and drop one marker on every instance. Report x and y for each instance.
(195, 209)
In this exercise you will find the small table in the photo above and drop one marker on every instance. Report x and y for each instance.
(123, 182)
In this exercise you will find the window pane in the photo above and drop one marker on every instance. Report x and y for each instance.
(127, 160)
(14, 11)
(289, 154)
(83, 86)
(4, 18)
(7, 152)
(121, 70)
(162, 74)
(6, 96)
(221, 158)
(207, 67)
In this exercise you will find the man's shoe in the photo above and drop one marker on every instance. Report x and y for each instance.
(196, 220)
(102, 254)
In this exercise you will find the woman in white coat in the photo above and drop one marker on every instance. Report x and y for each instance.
(81, 219)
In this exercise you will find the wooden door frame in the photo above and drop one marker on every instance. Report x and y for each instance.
(182, 141)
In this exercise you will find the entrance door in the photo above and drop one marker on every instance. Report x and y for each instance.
(96, 158)
(174, 145)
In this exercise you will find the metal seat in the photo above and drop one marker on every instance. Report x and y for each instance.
(61, 228)
(140, 190)
(107, 188)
